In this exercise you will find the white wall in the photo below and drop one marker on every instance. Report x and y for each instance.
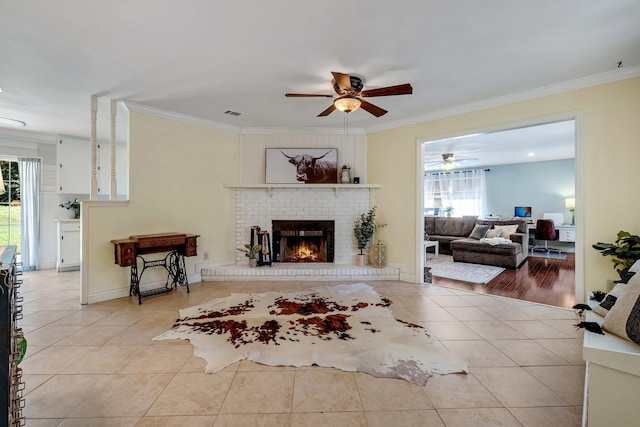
(606, 160)
(176, 177)
(542, 185)
(351, 151)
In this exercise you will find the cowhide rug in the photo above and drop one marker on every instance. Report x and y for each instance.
(349, 327)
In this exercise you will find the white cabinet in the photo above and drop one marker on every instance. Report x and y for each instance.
(567, 234)
(68, 244)
(74, 165)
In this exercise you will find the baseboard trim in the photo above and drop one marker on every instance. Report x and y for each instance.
(124, 292)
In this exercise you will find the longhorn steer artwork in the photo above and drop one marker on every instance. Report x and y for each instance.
(313, 170)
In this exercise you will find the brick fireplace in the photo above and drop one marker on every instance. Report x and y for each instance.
(260, 206)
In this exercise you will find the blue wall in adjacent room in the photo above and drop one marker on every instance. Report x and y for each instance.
(541, 185)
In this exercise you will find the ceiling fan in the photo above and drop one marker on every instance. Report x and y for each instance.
(350, 93)
(448, 161)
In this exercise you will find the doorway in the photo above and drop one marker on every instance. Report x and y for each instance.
(520, 162)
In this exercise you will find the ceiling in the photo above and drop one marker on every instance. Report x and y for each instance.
(201, 58)
(548, 141)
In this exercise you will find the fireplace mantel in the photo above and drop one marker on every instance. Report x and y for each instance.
(334, 187)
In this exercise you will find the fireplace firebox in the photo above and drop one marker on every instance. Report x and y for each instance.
(303, 241)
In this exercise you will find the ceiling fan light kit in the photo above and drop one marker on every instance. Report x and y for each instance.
(350, 95)
(347, 103)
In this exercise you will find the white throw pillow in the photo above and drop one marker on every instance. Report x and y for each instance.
(610, 299)
(623, 319)
(493, 232)
(506, 230)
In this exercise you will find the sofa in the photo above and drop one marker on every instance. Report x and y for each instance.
(453, 235)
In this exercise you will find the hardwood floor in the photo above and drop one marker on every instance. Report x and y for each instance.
(544, 280)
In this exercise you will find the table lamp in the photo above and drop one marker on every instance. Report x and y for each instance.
(571, 204)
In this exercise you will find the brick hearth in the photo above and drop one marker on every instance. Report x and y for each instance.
(297, 271)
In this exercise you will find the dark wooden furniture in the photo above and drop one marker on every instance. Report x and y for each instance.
(128, 253)
(12, 387)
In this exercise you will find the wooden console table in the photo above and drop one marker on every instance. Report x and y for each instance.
(179, 245)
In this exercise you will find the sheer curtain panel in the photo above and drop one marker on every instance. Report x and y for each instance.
(29, 170)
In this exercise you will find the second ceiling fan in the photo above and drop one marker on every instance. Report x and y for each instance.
(350, 95)
(448, 161)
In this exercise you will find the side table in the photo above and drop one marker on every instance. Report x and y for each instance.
(431, 244)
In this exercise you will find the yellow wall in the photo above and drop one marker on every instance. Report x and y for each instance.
(176, 175)
(607, 161)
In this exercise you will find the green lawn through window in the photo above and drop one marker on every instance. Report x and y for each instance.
(10, 227)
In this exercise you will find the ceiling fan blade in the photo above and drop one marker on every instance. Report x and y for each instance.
(327, 111)
(307, 95)
(428, 165)
(375, 110)
(404, 89)
(342, 81)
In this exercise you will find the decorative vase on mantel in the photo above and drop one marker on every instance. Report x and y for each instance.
(361, 260)
(345, 178)
(253, 262)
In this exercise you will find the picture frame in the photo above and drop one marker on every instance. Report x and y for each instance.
(301, 166)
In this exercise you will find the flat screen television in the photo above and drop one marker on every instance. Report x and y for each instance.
(522, 212)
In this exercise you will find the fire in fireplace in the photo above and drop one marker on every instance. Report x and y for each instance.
(303, 241)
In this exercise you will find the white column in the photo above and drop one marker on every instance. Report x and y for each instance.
(113, 189)
(94, 178)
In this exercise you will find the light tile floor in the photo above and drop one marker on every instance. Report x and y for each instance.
(96, 365)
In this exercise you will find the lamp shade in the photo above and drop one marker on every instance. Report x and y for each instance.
(570, 202)
(347, 104)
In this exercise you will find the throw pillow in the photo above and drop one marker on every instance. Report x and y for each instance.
(479, 231)
(624, 317)
(506, 230)
(610, 299)
(493, 232)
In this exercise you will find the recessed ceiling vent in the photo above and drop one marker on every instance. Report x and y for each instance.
(233, 113)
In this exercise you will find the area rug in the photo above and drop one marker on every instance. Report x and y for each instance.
(443, 266)
(349, 327)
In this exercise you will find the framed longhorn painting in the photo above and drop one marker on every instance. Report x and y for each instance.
(301, 166)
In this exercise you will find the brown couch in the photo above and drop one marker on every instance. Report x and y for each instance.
(453, 237)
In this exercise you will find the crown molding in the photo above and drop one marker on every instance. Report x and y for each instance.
(302, 131)
(165, 114)
(554, 89)
(28, 136)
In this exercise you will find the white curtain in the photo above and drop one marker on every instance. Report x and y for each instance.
(29, 170)
(429, 190)
(465, 191)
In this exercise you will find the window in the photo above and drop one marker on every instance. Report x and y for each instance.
(10, 204)
(464, 191)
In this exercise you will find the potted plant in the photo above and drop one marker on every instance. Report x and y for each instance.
(364, 229)
(251, 252)
(75, 206)
(625, 251)
(448, 210)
